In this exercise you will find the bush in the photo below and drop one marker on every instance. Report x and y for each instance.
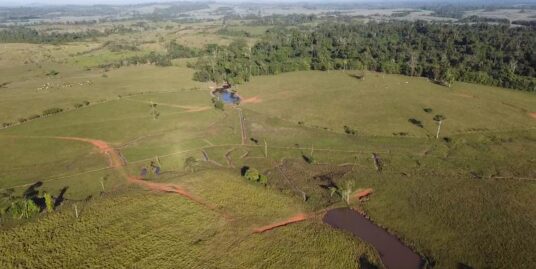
(253, 174)
(51, 111)
(49, 202)
(78, 105)
(6, 124)
(21, 120)
(202, 76)
(53, 73)
(86, 103)
(349, 130)
(218, 104)
(428, 110)
(23, 209)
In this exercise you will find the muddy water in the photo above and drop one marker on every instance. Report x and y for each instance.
(394, 254)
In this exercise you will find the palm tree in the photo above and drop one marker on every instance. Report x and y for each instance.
(439, 119)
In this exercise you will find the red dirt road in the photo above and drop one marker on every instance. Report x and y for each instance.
(114, 159)
(533, 115)
(168, 188)
(361, 194)
(297, 218)
(116, 162)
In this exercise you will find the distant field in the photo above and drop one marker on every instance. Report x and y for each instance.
(510, 14)
(93, 86)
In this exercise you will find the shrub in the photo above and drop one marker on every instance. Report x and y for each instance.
(349, 130)
(253, 174)
(308, 159)
(202, 76)
(21, 120)
(49, 202)
(439, 117)
(6, 124)
(78, 105)
(86, 103)
(31, 209)
(17, 209)
(218, 104)
(23, 209)
(53, 73)
(51, 111)
(263, 179)
(428, 110)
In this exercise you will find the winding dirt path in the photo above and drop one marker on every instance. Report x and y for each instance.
(115, 161)
(114, 158)
(533, 115)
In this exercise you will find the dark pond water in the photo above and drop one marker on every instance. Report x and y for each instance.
(394, 254)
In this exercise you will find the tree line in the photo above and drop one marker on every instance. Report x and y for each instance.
(173, 51)
(496, 55)
(17, 34)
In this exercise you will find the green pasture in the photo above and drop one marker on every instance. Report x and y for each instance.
(381, 105)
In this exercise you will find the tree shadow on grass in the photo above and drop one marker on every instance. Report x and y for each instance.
(416, 122)
(365, 264)
(32, 191)
(59, 200)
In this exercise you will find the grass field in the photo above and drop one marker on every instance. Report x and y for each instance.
(382, 104)
(141, 229)
(465, 198)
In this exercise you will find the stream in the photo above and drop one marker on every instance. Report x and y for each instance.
(394, 254)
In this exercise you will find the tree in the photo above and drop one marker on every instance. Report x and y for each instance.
(253, 174)
(154, 112)
(439, 119)
(347, 192)
(49, 202)
(24, 209)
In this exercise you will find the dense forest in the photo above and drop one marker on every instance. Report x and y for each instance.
(27, 35)
(496, 55)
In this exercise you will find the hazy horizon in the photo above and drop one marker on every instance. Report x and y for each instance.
(126, 2)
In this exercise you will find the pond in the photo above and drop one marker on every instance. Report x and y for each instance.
(228, 97)
(393, 252)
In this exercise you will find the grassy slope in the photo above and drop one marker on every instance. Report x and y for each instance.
(142, 230)
(382, 104)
